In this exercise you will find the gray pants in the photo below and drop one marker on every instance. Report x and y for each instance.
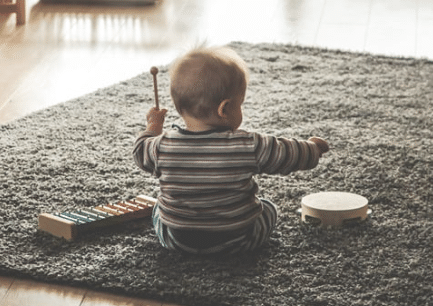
(243, 240)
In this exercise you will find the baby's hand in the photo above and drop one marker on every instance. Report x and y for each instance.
(321, 144)
(155, 120)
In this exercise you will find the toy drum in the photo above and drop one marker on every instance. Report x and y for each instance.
(334, 208)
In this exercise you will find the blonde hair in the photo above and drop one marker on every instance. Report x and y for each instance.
(204, 77)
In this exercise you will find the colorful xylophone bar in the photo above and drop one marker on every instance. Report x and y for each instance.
(70, 224)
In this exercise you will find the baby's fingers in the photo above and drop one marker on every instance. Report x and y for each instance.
(156, 112)
(322, 144)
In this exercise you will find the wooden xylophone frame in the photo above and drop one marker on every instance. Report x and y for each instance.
(70, 225)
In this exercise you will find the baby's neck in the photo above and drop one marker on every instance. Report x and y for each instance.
(195, 125)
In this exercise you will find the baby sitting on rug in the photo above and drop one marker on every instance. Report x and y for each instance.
(208, 201)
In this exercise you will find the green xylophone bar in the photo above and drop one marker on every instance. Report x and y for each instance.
(71, 224)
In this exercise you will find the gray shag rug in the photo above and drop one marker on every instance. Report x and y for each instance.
(377, 114)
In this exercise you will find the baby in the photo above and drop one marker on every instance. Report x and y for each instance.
(208, 201)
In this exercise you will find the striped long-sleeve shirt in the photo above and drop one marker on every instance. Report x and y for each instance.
(206, 178)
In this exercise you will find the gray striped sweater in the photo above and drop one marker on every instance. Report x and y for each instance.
(206, 178)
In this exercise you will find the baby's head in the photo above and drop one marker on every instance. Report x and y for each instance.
(209, 84)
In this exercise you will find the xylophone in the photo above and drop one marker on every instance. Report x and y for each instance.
(70, 224)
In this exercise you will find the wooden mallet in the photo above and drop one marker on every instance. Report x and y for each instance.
(154, 72)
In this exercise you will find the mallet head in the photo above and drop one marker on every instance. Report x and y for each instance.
(153, 70)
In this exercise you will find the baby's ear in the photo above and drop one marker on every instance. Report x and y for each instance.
(222, 108)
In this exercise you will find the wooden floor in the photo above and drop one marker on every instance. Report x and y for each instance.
(65, 51)
(15, 292)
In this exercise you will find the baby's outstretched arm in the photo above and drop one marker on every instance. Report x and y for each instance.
(155, 121)
(283, 155)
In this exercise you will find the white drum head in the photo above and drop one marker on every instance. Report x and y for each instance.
(334, 208)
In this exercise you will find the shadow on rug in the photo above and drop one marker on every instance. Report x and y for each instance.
(376, 113)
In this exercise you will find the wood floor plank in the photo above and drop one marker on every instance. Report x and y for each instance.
(93, 298)
(5, 283)
(30, 293)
